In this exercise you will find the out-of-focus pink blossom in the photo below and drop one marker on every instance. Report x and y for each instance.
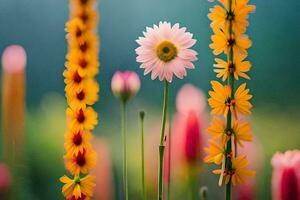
(14, 59)
(103, 172)
(125, 84)
(189, 98)
(188, 126)
(254, 152)
(286, 176)
(5, 179)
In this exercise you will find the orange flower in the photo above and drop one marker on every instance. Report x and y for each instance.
(77, 141)
(222, 42)
(239, 171)
(83, 162)
(78, 187)
(221, 100)
(238, 67)
(88, 95)
(82, 118)
(220, 16)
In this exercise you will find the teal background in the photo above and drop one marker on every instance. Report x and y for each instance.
(38, 25)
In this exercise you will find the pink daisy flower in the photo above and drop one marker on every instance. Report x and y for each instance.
(165, 50)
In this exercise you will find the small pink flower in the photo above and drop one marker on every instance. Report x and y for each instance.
(125, 84)
(286, 176)
(165, 50)
(14, 59)
(5, 179)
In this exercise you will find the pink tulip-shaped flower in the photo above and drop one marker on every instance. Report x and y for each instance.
(165, 50)
(125, 84)
(190, 104)
(286, 176)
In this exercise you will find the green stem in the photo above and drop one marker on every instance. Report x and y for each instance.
(169, 160)
(123, 125)
(142, 115)
(228, 165)
(192, 182)
(162, 138)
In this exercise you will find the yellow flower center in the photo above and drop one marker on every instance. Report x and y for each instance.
(166, 51)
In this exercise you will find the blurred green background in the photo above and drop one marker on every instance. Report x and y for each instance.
(38, 25)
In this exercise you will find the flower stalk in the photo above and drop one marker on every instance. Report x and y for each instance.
(142, 116)
(162, 140)
(124, 140)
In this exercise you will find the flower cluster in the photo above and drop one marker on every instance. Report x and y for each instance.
(81, 92)
(229, 23)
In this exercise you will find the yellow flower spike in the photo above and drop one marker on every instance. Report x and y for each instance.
(229, 21)
(81, 91)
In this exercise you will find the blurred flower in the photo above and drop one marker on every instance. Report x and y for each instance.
(125, 84)
(103, 171)
(5, 179)
(286, 175)
(165, 50)
(14, 59)
(254, 152)
(190, 104)
(78, 188)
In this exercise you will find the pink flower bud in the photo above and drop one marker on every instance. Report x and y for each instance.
(286, 176)
(125, 84)
(5, 179)
(14, 59)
